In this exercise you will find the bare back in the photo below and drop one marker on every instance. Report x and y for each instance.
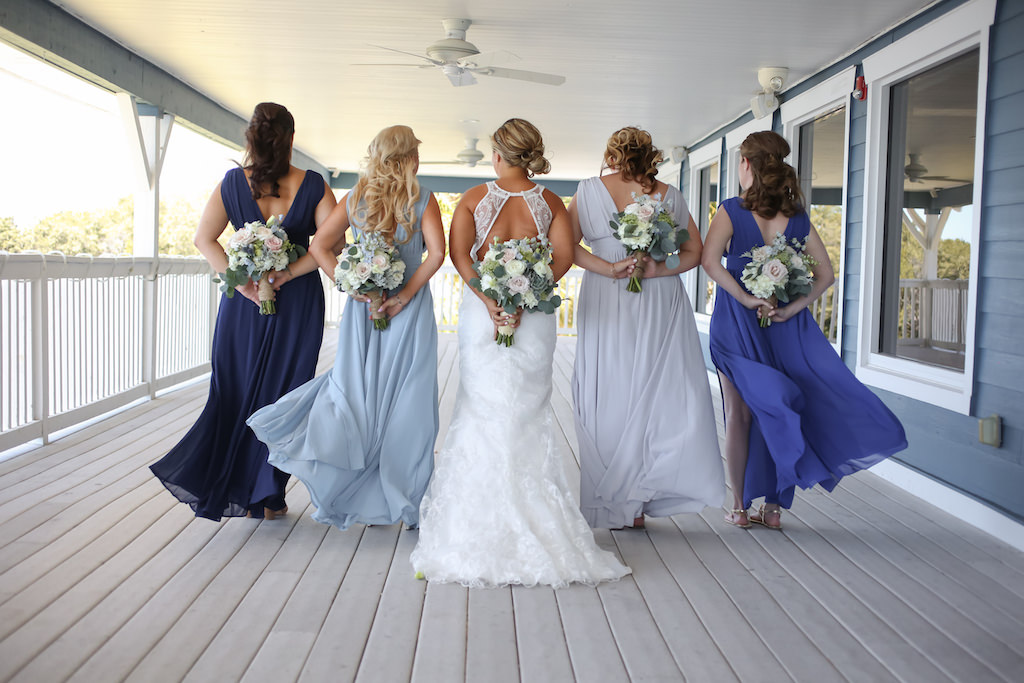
(504, 215)
(621, 190)
(288, 187)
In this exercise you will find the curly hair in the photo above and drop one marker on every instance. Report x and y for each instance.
(632, 152)
(268, 147)
(519, 143)
(388, 188)
(774, 187)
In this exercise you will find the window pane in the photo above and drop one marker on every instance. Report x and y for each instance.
(926, 263)
(707, 206)
(820, 168)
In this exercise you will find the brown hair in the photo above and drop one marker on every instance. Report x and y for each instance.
(633, 153)
(519, 143)
(268, 146)
(388, 187)
(774, 187)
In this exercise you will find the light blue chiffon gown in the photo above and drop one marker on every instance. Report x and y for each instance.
(361, 437)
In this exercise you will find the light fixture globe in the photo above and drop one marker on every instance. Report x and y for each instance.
(454, 45)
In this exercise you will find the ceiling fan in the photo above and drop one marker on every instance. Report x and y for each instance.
(461, 61)
(470, 156)
(915, 172)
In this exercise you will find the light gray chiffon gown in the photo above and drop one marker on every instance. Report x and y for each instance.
(361, 437)
(644, 419)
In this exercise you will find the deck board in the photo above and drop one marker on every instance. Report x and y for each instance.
(103, 576)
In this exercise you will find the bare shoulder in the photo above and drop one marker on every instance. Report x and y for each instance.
(554, 201)
(472, 197)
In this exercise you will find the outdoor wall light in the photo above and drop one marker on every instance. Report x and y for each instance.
(772, 80)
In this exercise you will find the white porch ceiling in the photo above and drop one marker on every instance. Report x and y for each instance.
(679, 68)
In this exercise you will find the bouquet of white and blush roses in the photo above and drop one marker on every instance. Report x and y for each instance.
(254, 252)
(517, 274)
(647, 227)
(778, 271)
(370, 266)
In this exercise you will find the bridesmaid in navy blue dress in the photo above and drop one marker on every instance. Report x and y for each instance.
(794, 413)
(219, 468)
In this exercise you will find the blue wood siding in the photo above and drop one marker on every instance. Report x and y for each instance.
(944, 445)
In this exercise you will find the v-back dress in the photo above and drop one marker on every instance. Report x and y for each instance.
(813, 421)
(499, 510)
(642, 403)
(220, 468)
(361, 437)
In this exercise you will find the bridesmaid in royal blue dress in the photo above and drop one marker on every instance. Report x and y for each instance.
(794, 413)
(361, 437)
(219, 468)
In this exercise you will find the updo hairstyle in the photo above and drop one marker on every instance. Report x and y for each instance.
(388, 187)
(519, 143)
(268, 147)
(632, 152)
(774, 187)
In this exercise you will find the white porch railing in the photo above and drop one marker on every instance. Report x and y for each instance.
(81, 336)
(932, 313)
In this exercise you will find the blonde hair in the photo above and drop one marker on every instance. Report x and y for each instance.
(633, 153)
(388, 188)
(519, 143)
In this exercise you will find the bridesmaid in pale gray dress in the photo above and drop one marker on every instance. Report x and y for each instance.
(644, 419)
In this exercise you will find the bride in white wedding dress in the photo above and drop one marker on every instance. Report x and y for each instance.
(498, 510)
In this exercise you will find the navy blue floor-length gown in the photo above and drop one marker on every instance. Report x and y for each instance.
(220, 468)
(812, 421)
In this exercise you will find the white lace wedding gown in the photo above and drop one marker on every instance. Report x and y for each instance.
(499, 510)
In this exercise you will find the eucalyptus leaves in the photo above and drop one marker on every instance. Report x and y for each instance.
(254, 252)
(517, 274)
(647, 227)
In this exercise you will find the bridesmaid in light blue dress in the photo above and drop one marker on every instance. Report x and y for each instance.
(361, 437)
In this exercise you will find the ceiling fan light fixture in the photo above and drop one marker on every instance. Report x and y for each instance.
(450, 50)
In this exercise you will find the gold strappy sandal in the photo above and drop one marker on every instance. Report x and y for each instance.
(759, 518)
(731, 517)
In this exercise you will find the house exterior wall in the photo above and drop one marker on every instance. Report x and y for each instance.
(944, 443)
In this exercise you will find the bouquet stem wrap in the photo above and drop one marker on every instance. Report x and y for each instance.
(506, 335)
(267, 295)
(638, 273)
(380, 320)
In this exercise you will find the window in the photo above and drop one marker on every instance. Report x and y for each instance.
(703, 198)
(821, 167)
(707, 205)
(922, 182)
(926, 253)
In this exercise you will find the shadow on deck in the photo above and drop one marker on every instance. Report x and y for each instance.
(103, 577)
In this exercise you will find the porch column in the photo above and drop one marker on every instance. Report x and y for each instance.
(148, 129)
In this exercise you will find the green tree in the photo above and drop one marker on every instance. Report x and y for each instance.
(105, 231)
(954, 260)
(11, 238)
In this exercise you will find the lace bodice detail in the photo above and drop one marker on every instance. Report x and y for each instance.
(490, 206)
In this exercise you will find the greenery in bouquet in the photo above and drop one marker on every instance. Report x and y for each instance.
(371, 265)
(779, 271)
(517, 275)
(254, 252)
(647, 227)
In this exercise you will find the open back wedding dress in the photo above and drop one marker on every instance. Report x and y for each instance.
(499, 510)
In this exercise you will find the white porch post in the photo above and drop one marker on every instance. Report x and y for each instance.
(148, 129)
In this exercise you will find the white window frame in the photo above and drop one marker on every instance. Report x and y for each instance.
(733, 140)
(827, 96)
(960, 30)
(700, 158)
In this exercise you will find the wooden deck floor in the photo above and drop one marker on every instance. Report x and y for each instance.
(103, 577)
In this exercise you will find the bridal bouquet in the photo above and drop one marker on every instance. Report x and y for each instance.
(778, 271)
(370, 266)
(647, 227)
(517, 274)
(254, 252)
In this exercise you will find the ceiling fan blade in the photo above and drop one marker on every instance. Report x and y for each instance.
(411, 54)
(439, 163)
(520, 75)
(460, 78)
(484, 59)
(416, 66)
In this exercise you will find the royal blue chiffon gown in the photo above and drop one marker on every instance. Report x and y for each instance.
(812, 421)
(220, 468)
(361, 437)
